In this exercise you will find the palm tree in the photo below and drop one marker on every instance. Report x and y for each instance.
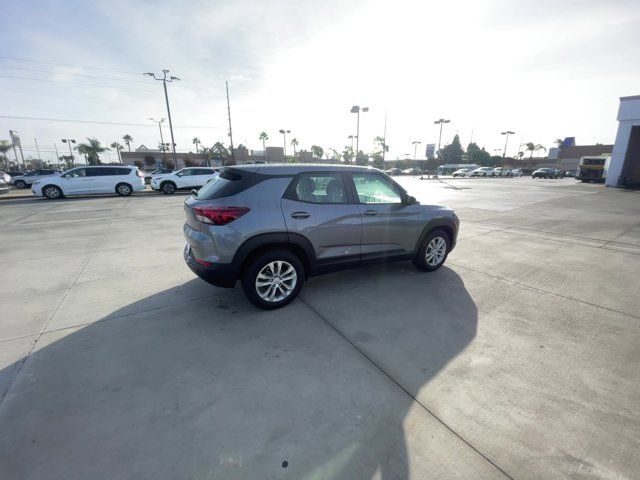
(196, 141)
(294, 142)
(532, 148)
(92, 149)
(5, 146)
(220, 152)
(128, 139)
(117, 147)
(558, 142)
(264, 137)
(317, 151)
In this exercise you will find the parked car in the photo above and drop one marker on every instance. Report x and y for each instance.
(26, 180)
(516, 172)
(570, 173)
(122, 180)
(393, 171)
(411, 171)
(4, 187)
(499, 173)
(5, 177)
(462, 172)
(544, 173)
(483, 172)
(185, 179)
(15, 173)
(160, 171)
(272, 226)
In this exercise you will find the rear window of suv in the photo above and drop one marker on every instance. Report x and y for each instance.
(228, 182)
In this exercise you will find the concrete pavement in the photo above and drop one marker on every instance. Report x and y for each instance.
(519, 359)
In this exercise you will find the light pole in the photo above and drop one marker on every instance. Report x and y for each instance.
(69, 141)
(356, 109)
(164, 81)
(351, 137)
(415, 144)
(441, 122)
(164, 156)
(284, 133)
(507, 133)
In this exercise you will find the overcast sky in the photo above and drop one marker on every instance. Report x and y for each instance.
(542, 68)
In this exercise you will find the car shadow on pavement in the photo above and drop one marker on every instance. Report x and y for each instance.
(211, 387)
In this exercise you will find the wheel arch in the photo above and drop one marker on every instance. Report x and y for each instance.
(44, 187)
(440, 223)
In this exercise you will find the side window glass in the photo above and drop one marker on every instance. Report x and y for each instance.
(320, 188)
(185, 173)
(372, 188)
(78, 172)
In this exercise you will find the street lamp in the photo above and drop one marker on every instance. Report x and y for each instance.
(507, 133)
(69, 141)
(164, 156)
(284, 133)
(356, 109)
(415, 144)
(164, 81)
(440, 121)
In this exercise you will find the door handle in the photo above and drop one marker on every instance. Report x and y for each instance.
(300, 215)
(370, 213)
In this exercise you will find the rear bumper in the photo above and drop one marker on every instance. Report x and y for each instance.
(220, 274)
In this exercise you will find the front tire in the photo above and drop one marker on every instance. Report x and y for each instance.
(433, 252)
(273, 279)
(168, 188)
(21, 184)
(52, 192)
(124, 189)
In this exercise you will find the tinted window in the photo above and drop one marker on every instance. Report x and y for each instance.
(75, 173)
(228, 182)
(372, 188)
(320, 188)
(186, 172)
(203, 171)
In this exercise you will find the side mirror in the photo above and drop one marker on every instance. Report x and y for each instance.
(411, 200)
(194, 192)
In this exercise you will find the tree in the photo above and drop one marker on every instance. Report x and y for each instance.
(189, 162)
(92, 149)
(335, 154)
(532, 148)
(5, 146)
(558, 142)
(117, 147)
(379, 142)
(149, 161)
(221, 153)
(361, 158)
(294, 142)
(138, 163)
(128, 139)
(170, 164)
(348, 154)
(264, 137)
(67, 160)
(317, 151)
(196, 141)
(477, 155)
(452, 153)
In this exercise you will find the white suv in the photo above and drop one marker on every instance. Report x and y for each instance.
(483, 172)
(185, 179)
(89, 180)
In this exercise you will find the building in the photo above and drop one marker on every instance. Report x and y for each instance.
(149, 159)
(624, 167)
(569, 157)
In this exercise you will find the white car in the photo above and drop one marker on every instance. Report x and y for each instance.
(462, 172)
(185, 179)
(498, 172)
(26, 180)
(148, 176)
(516, 172)
(90, 180)
(483, 172)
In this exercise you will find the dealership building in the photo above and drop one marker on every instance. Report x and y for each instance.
(624, 168)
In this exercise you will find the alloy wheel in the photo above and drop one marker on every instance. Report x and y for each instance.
(436, 251)
(276, 281)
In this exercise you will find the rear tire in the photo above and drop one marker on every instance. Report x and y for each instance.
(168, 187)
(433, 252)
(124, 189)
(52, 192)
(273, 279)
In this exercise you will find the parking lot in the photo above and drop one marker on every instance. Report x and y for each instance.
(520, 358)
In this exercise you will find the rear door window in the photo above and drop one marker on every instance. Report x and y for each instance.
(318, 188)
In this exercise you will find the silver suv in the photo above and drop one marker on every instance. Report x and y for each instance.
(274, 226)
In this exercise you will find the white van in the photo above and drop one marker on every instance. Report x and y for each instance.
(122, 180)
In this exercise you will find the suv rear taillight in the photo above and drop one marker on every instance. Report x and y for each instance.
(139, 173)
(219, 215)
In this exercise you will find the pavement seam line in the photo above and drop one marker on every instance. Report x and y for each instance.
(546, 292)
(394, 381)
(55, 310)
